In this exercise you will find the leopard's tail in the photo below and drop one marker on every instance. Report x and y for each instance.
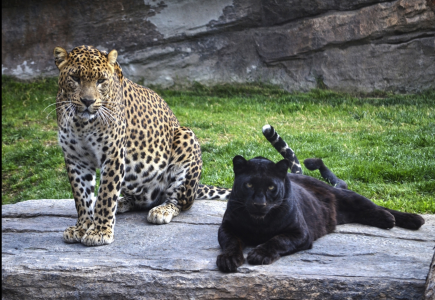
(209, 192)
(317, 164)
(273, 137)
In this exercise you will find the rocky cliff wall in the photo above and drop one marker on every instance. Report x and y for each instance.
(360, 45)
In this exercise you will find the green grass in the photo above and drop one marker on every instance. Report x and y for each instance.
(382, 145)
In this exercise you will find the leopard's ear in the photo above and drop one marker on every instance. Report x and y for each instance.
(239, 164)
(282, 167)
(111, 57)
(60, 57)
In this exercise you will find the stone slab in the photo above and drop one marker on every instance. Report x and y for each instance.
(177, 260)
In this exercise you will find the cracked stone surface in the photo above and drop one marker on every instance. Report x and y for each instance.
(359, 45)
(430, 281)
(177, 260)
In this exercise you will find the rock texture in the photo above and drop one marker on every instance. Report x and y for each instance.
(361, 45)
(430, 281)
(177, 261)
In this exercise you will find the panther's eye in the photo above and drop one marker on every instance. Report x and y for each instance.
(248, 185)
(75, 78)
(271, 187)
(100, 81)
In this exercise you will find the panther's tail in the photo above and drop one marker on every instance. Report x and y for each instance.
(273, 137)
(317, 164)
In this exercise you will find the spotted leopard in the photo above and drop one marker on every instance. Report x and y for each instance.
(129, 133)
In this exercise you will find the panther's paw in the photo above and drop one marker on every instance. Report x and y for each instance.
(411, 221)
(261, 256)
(377, 217)
(95, 237)
(228, 262)
(163, 214)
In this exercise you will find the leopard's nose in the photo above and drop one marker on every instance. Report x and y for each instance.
(87, 102)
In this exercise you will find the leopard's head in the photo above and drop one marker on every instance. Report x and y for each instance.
(260, 184)
(89, 83)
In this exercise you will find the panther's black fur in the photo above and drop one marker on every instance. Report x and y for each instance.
(282, 213)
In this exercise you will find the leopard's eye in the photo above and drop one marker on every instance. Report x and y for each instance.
(100, 81)
(248, 185)
(271, 188)
(75, 78)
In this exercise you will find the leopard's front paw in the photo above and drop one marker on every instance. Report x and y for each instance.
(261, 256)
(163, 214)
(229, 262)
(95, 237)
(73, 234)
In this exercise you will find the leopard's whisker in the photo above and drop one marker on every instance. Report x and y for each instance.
(64, 113)
(51, 112)
(56, 103)
(71, 112)
(61, 106)
(61, 103)
(100, 118)
(100, 114)
(104, 116)
(108, 114)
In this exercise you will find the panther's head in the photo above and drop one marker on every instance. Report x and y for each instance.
(260, 185)
(89, 82)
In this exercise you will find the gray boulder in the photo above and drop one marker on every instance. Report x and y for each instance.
(177, 260)
(361, 45)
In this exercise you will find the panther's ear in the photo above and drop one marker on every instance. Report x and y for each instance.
(60, 57)
(239, 164)
(282, 167)
(113, 55)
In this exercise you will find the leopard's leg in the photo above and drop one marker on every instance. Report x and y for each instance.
(184, 172)
(82, 180)
(279, 144)
(101, 232)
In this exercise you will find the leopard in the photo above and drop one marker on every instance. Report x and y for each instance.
(280, 213)
(145, 158)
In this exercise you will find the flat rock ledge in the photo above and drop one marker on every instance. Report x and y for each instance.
(177, 260)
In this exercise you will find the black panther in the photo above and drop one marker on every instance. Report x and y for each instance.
(281, 213)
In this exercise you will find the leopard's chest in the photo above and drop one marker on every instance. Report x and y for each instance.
(90, 149)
